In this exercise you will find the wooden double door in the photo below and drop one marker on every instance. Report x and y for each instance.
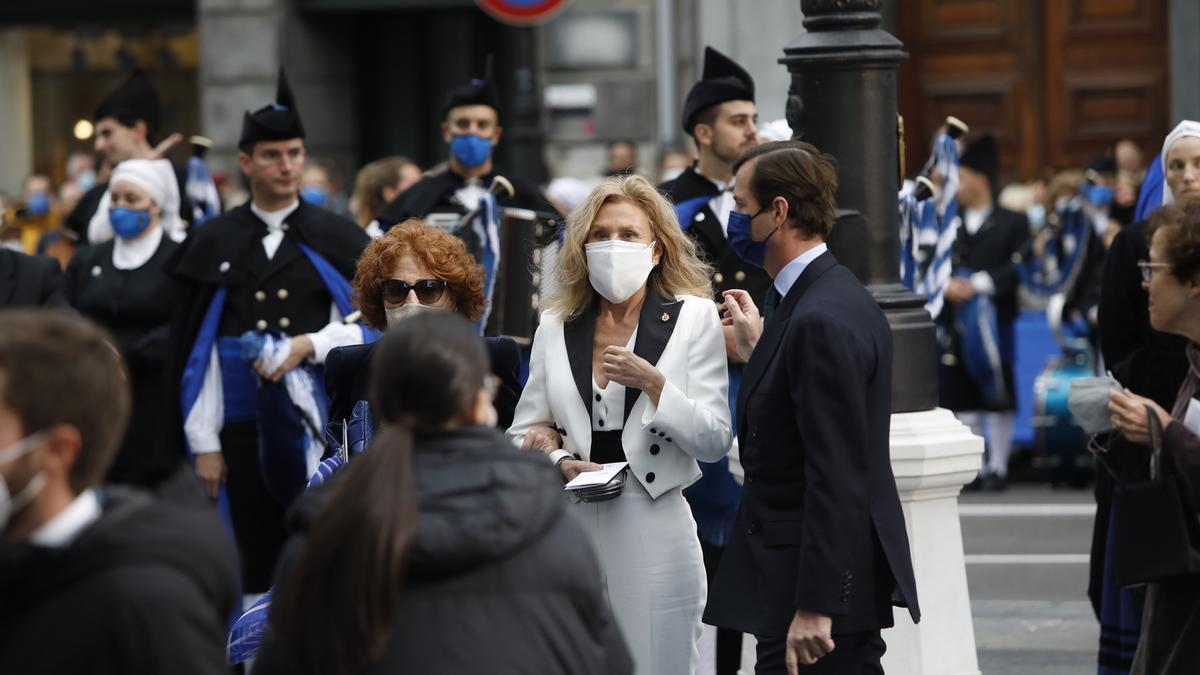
(1056, 82)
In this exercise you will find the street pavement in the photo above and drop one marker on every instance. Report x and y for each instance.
(1027, 571)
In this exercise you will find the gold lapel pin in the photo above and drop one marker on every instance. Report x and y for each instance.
(666, 317)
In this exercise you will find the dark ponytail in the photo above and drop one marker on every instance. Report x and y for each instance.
(335, 612)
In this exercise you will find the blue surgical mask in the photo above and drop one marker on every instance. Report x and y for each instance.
(38, 204)
(1099, 195)
(86, 180)
(470, 150)
(747, 247)
(128, 223)
(314, 195)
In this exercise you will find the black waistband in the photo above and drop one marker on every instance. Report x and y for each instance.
(606, 447)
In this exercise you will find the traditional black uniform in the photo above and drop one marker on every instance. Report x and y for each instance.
(136, 99)
(285, 291)
(135, 306)
(698, 200)
(436, 196)
(995, 249)
(30, 281)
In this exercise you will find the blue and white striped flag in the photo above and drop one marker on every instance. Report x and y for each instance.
(486, 227)
(201, 189)
(929, 227)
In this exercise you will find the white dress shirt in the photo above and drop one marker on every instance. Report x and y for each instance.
(64, 528)
(792, 271)
(722, 203)
(207, 417)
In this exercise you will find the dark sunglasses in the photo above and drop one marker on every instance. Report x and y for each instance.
(429, 291)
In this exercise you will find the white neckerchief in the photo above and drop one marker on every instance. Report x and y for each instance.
(791, 272)
(130, 254)
(722, 203)
(973, 219)
(274, 221)
(470, 193)
(62, 529)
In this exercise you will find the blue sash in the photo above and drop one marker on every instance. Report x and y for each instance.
(686, 210)
(984, 348)
(1150, 197)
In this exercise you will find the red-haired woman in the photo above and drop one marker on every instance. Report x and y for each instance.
(414, 268)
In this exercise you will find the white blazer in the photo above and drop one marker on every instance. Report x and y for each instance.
(662, 443)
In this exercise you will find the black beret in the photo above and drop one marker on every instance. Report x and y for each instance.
(135, 99)
(279, 121)
(723, 80)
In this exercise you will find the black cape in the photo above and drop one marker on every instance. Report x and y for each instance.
(995, 248)
(227, 251)
(730, 271)
(146, 589)
(135, 306)
(435, 192)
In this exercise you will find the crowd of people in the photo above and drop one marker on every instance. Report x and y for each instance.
(276, 431)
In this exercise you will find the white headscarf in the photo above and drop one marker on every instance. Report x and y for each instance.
(1185, 129)
(157, 178)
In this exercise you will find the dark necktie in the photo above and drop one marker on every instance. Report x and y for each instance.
(771, 303)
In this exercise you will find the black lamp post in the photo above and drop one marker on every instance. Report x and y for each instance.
(843, 100)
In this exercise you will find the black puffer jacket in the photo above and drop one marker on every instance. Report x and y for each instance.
(146, 589)
(500, 580)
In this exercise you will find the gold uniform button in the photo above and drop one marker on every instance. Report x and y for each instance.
(284, 322)
(739, 276)
(281, 294)
(666, 317)
(719, 278)
(261, 324)
(260, 296)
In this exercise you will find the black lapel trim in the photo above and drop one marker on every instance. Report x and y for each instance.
(656, 323)
(580, 334)
(768, 344)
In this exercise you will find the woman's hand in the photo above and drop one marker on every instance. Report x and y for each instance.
(210, 467)
(542, 438)
(630, 370)
(571, 468)
(1129, 415)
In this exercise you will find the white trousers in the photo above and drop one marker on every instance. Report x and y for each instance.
(654, 570)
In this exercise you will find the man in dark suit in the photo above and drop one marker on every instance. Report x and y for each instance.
(820, 552)
(30, 281)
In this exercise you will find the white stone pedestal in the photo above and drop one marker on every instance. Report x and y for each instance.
(933, 456)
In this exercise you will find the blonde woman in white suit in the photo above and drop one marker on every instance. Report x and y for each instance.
(629, 364)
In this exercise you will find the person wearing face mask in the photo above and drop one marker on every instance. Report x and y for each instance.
(94, 578)
(36, 213)
(628, 365)
(465, 557)
(123, 285)
(128, 121)
(410, 270)
(820, 553)
(1143, 357)
(1170, 619)
(471, 130)
(720, 116)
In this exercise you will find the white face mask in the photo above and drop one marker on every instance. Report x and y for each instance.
(395, 315)
(8, 503)
(617, 269)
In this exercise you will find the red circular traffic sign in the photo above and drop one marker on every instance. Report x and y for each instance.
(523, 12)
